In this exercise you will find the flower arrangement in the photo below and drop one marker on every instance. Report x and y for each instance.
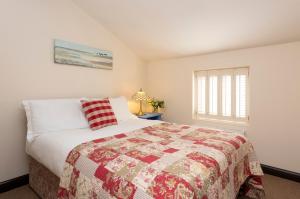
(155, 103)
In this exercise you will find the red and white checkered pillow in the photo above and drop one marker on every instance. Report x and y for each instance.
(99, 113)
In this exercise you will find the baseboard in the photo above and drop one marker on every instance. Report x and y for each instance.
(14, 183)
(290, 175)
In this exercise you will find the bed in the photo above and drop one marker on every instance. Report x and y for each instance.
(136, 159)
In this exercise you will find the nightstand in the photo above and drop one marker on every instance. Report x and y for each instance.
(151, 116)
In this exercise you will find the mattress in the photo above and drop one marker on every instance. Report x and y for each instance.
(52, 149)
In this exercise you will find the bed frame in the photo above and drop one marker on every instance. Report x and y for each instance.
(42, 180)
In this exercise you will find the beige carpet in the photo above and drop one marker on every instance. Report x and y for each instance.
(276, 188)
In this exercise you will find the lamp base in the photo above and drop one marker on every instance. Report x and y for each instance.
(140, 113)
(141, 110)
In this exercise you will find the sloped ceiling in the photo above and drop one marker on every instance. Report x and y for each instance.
(160, 29)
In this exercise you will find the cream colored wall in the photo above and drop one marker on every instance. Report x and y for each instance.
(274, 96)
(27, 71)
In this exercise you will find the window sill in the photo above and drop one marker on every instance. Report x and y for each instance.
(222, 121)
(230, 126)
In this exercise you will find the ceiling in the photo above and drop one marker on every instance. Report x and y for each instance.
(160, 29)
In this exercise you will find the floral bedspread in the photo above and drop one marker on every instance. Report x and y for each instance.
(163, 161)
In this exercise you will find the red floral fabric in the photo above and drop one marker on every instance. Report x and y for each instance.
(163, 161)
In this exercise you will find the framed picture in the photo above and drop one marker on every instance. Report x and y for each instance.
(76, 54)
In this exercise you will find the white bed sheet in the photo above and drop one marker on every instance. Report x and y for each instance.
(52, 149)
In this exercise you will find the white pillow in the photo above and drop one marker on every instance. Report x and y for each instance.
(120, 108)
(45, 116)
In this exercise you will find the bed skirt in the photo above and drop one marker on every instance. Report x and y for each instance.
(45, 183)
(42, 180)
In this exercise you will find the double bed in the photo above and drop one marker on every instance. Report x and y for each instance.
(139, 158)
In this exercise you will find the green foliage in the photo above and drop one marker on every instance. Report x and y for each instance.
(156, 103)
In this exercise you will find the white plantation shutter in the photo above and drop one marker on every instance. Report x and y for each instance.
(201, 94)
(226, 95)
(241, 77)
(200, 97)
(222, 94)
(213, 95)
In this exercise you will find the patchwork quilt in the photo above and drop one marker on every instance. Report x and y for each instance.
(163, 161)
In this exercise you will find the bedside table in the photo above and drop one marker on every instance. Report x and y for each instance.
(151, 116)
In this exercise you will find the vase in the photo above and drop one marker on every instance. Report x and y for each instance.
(155, 109)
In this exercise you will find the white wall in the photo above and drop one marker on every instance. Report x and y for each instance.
(27, 71)
(274, 96)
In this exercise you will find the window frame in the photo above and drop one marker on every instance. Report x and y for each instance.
(219, 72)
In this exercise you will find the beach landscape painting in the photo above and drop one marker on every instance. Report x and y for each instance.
(76, 54)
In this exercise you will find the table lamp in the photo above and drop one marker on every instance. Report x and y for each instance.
(140, 96)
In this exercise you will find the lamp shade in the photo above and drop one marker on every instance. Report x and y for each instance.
(140, 96)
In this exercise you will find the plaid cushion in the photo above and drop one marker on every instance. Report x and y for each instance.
(99, 113)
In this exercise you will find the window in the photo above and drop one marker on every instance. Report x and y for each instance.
(222, 94)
